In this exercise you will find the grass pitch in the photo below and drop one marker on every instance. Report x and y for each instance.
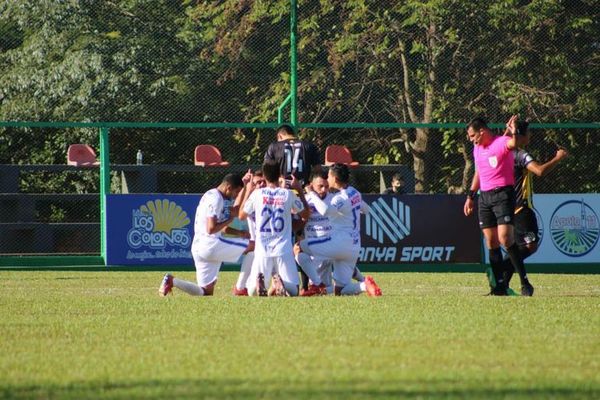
(108, 335)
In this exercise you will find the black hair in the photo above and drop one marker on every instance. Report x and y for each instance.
(522, 127)
(286, 129)
(477, 123)
(234, 180)
(318, 174)
(341, 172)
(398, 177)
(271, 171)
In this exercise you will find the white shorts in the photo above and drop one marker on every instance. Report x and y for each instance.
(340, 249)
(284, 265)
(208, 259)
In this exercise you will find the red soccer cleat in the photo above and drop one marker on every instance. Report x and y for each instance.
(166, 286)
(372, 289)
(314, 290)
(239, 292)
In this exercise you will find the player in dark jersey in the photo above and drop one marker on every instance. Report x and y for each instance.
(295, 156)
(526, 228)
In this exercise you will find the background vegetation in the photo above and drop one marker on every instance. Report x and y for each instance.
(359, 61)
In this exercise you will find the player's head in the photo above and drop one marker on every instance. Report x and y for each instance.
(476, 129)
(319, 183)
(231, 185)
(522, 133)
(270, 170)
(258, 179)
(285, 131)
(338, 176)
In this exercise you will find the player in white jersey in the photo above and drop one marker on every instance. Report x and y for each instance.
(343, 244)
(210, 248)
(239, 289)
(318, 225)
(272, 207)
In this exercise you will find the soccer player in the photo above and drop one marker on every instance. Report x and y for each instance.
(294, 156)
(209, 248)
(273, 206)
(525, 222)
(494, 163)
(342, 245)
(239, 289)
(318, 225)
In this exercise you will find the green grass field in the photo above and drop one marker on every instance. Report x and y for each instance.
(87, 335)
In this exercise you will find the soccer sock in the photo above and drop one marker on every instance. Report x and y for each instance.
(352, 289)
(517, 262)
(496, 264)
(245, 270)
(507, 270)
(357, 275)
(291, 289)
(188, 287)
(308, 266)
(303, 278)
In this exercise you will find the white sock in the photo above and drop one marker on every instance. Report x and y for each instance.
(309, 268)
(245, 270)
(188, 287)
(352, 289)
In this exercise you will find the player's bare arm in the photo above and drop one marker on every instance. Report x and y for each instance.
(511, 130)
(470, 200)
(543, 169)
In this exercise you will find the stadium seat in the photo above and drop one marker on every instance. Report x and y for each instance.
(207, 155)
(336, 153)
(81, 155)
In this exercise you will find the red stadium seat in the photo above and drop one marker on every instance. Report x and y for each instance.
(81, 155)
(336, 153)
(207, 155)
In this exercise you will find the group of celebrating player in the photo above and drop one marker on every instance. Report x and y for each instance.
(277, 209)
(274, 203)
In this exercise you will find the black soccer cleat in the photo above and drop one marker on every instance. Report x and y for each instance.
(527, 290)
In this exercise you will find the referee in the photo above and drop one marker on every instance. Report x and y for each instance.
(494, 177)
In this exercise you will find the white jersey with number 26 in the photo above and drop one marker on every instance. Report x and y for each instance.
(272, 209)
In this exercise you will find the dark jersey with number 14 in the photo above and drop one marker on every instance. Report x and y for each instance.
(295, 157)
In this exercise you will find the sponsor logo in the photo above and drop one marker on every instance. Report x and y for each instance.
(157, 224)
(387, 220)
(574, 228)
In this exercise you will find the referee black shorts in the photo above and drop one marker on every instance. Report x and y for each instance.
(496, 207)
(526, 227)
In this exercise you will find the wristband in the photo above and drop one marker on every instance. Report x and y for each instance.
(471, 194)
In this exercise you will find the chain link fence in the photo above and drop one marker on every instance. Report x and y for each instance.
(361, 66)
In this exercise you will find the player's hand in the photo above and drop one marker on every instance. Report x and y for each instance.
(468, 207)
(247, 177)
(297, 249)
(295, 184)
(561, 153)
(511, 125)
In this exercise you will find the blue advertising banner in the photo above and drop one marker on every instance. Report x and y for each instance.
(154, 229)
(150, 229)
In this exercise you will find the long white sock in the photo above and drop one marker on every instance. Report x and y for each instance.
(309, 268)
(245, 270)
(352, 289)
(188, 287)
